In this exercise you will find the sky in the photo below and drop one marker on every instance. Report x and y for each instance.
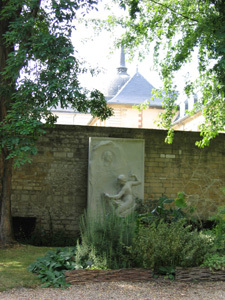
(99, 52)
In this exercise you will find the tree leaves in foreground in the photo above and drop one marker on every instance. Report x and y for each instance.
(177, 28)
(38, 71)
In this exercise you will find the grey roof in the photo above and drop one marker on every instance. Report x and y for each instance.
(116, 84)
(58, 108)
(120, 79)
(67, 110)
(136, 91)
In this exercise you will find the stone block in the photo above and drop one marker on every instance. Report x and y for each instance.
(59, 154)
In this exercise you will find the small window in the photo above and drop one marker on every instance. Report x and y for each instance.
(195, 99)
(186, 105)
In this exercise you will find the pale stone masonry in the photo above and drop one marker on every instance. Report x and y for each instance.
(53, 188)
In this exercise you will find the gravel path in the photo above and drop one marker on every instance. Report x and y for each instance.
(154, 290)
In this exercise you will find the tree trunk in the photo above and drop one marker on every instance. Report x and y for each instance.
(6, 228)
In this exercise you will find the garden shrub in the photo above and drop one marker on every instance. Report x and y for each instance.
(166, 209)
(105, 241)
(51, 267)
(214, 261)
(160, 239)
(219, 230)
(169, 245)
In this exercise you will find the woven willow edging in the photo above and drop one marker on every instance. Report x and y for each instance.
(82, 276)
(182, 274)
(199, 274)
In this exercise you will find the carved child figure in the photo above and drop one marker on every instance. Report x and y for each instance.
(124, 199)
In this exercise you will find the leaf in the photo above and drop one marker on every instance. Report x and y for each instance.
(181, 203)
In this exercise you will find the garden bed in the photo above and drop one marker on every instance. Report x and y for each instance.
(182, 274)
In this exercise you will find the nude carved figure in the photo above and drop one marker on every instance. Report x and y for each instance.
(124, 200)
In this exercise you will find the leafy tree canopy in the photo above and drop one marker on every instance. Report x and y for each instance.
(38, 70)
(177, 28)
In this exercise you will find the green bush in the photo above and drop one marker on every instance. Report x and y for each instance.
(51, 267)
(169, 245)
(214, 261)
(166, 209)
(163, 242)
(105, 241)
(219, 230)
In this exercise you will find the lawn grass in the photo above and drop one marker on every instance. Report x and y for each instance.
(13, 266)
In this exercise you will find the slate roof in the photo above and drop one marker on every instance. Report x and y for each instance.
(116, 84)
(120, 79)
(136, 91)
(59, 109)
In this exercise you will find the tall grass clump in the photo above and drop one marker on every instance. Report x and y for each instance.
(105, 241)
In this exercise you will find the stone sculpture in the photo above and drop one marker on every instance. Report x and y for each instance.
(108, 158)
(124, 200)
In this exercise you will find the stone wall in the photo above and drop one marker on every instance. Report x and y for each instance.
(53, 188)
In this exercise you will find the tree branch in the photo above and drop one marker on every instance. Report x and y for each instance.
(174, 11)
(35, 10)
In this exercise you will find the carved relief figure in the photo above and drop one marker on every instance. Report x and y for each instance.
(107, 158)
(124, 200)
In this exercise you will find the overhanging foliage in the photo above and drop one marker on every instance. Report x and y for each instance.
(39, 70)
(177, 28)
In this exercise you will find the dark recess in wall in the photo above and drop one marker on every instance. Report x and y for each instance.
(23, 227)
